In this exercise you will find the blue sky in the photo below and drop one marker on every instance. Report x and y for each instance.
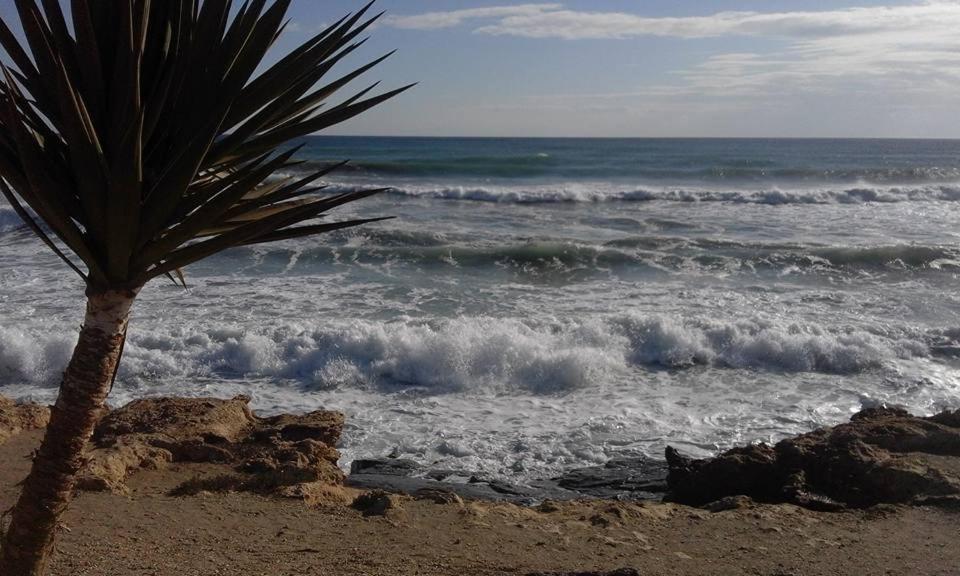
(778, 68)
(782, 68)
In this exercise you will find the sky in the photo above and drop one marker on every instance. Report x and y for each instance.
(714, 68)
(675, 68)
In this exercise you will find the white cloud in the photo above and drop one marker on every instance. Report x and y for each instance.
(449, 19)
(900, 63)
(554, 21)
(914, 48)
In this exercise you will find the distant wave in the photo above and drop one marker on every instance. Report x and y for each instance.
(652, 251)
(583, 193)
(535, 164)
(473, 353)
(517, 166)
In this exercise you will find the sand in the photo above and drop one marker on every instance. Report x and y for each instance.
(148, 532)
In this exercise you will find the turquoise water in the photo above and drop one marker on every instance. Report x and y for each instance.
(539, 304)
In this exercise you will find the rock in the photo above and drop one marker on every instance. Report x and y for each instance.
(108, 469)
(438, 496)
(413, 485)
(882, 455)
(385, 467)
(623, 478)
(214, 421)
(268, 455)
(620, 572)
(947, 418)
(16, 418)
(749, 470)
(375, 503)
(730, 503)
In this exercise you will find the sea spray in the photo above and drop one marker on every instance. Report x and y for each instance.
(478, 354)
(592, 192)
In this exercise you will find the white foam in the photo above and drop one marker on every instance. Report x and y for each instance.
(9, 219)
(28, 357)
(589, 192)
(468, 354)
(519, 398)
(763, 344)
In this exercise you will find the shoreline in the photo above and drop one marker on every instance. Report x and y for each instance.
(322, 526)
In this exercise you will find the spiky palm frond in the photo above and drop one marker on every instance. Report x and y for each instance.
(143, 137)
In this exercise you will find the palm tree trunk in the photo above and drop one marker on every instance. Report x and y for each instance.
(86, 383)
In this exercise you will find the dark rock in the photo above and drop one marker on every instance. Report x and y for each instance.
(412, 486)
(947, 418)
(449, 475)
(624, 478)
(730, 503)
(620, 572)
(438, 495)
(374, 503)
(883, 455)
(385, 467)
(749, 470)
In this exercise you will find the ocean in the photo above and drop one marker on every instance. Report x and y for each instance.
(543, 304)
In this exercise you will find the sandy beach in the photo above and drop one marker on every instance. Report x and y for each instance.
(143, 530)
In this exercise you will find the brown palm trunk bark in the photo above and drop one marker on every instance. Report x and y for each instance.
(83, 392)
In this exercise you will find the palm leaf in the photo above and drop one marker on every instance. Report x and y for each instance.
(142, 137)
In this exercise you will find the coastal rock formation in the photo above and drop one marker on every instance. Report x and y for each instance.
(619, 479)
(16, 418)
(282, 454)
(882, 455)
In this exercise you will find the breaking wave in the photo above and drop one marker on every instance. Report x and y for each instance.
(529, 163)
(604, 192)
(655, 252)
(472, 353)
(9, 219)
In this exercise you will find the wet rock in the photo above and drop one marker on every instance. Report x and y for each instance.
(385, 467)
(623, 478)
(414, 485)
(16, 418)
(620, 572)
(749, 470)
(267, 455)
(882, 455)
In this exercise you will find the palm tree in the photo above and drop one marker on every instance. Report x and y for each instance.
(137, 137)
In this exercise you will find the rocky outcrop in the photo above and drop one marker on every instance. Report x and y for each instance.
(881, 456)
(16, 418)
(283, 454)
